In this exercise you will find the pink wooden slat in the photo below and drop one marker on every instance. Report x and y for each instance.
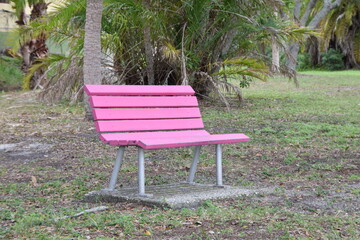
(137, 90)
(110, 102)
(156, 143)
(145, 113)
(133, 138)
(148, 125)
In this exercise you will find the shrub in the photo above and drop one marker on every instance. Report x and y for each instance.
(304, 61)
(332, 60)
(10, 74)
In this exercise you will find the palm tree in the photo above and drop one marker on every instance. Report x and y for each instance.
(92, 48)
(308, 14)
(32, 49)
(199, 34)
(212, 45)
(341, 30)
(149, 52)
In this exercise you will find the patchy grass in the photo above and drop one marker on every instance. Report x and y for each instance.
(305, 143)
(10, 74)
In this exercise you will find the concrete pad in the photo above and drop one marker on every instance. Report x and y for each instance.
(178, 195)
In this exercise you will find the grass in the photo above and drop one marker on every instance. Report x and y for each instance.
(7, 39)
(10, 74)
(305, 144)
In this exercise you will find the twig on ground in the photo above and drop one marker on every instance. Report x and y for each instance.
(91, 210)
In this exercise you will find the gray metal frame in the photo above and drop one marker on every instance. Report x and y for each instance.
(117, 166)
(141, 169)
(141, 173)
(194, 165)
(219, 182)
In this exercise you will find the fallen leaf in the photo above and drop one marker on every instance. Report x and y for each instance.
(34, 181)
(147, 233)
(170, 226)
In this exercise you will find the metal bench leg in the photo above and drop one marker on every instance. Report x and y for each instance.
(115, 173)
(219, 182)
(194, 165)
(141, 173)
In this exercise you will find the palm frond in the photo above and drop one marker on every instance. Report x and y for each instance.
(169, 52)
(249, 67)
(357, 46)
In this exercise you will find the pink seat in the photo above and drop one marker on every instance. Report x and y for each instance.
(152, 117)
(135, 138)
(170, 142)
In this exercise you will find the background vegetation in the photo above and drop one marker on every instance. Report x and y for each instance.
(201, 43)
(189, 43)
(11, 76)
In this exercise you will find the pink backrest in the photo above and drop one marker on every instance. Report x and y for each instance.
(123, 108)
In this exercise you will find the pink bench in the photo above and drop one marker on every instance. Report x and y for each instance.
(153, 117)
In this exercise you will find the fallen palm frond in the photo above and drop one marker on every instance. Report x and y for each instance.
(215, 85)
(67, 84)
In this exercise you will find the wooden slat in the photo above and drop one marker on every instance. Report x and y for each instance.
(148, 125)
(112, 102)
(134, 137)
(144, 113)
(156, 143)
(132, 90)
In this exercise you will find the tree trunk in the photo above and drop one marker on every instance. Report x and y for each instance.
(39, 10)
(92, 49)
(348, 48)
(275, 66)
(291, 62)
(202, 84)
(21, 19)
(149, 54)
(350, 44)
(314, 51)
(328, 5)
(184, 77)
(223, 47)
(35, 49)
(293, 49)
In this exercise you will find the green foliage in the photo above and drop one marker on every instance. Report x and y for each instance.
(43, 63)
(10, 73)
(332, 60)
(356, 51)
(341, 28)
(8, 39)
(304, 61)
(204, 36)
(339, 21)
(245, 67)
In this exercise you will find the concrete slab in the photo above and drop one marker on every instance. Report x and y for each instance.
(178, 195)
